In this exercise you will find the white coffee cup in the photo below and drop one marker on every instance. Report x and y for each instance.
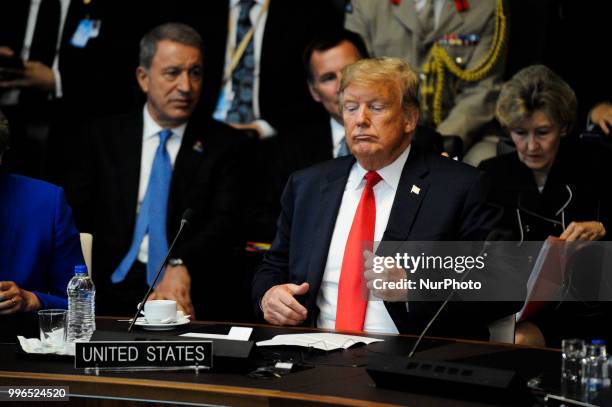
(156, 311)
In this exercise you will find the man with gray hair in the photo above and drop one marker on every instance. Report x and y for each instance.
(389, 190)
(140, 172)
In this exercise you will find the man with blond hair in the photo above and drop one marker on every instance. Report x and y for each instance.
(388, 190)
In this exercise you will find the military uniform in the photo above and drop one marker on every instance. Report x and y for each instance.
(392, 28)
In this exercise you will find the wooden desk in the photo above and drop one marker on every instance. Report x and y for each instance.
(336, 378)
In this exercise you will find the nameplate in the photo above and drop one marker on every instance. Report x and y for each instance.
(143, 354)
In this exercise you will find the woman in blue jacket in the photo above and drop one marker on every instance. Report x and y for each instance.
(39, 243)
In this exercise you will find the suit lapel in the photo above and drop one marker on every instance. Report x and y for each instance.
(450, 21)
(411, 190)
(214, 30)
(187, 160)
(407, 15)
(129, 148)
(328, 144)
(330, 199)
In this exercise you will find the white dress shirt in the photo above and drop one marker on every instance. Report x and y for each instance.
(150, 142)
(437, 4)
(11, 97)
(377, 318)
(227, 91)
(338, 133)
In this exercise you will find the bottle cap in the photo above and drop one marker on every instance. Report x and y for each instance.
(80, 269)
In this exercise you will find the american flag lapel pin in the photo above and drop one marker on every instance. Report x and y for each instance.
(415, 190)
(198, 147)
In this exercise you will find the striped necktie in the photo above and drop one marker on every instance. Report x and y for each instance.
(241, 110)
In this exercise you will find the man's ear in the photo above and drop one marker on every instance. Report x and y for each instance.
(142, 76)
(412, 118)
(313, 92)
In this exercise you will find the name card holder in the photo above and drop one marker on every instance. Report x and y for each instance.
(131, 356)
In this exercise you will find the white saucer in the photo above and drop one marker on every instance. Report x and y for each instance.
(161, 327)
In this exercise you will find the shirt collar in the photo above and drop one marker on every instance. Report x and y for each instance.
(337, 131)
(235, 3)
(390, 174)
(151, 128)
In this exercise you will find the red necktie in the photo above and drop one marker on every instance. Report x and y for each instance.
(352, 299)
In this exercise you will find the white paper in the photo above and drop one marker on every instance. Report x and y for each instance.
(323, 341)
(34, 345)
(236, 333)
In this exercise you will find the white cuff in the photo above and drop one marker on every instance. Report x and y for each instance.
(59, 92)
(267, 130)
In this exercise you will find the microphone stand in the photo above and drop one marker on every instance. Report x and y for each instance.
(431, 321)
(184, 222)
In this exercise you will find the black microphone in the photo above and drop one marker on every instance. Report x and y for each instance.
(493, 235)
(186, 218)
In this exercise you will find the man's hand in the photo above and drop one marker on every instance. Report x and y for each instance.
(175, 285)
(388, 275)
(35, 76)
(586, 231)
(14, 299)
(6, 51)
(601, 115)
(248, 126)
(281, 308)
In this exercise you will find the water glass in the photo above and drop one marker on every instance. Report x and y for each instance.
(594, 373)
(572, 352)
(52, 324)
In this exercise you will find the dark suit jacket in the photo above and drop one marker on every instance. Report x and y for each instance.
(584, 168)
(581, 166)
(306, 145)
(283, 94)
(98, 78)
(443, 210)
(39, 244)
(206, 178)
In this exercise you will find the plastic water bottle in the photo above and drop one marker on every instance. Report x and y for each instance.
(594, 369)
(81, 306)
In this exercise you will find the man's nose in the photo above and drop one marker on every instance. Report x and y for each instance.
(184, 82)
(363, 116)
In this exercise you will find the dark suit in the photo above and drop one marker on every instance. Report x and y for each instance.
(578, 165)
(96, 80)
(206, 178)
(290, 26)
(441, 211)
(305, 146)
(583, 168)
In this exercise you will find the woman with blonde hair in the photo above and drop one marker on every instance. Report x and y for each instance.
(553, 185)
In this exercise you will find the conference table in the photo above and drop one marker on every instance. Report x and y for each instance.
(321, 378)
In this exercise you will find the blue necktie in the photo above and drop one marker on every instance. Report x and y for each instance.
(152, 215)
(241, 110)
